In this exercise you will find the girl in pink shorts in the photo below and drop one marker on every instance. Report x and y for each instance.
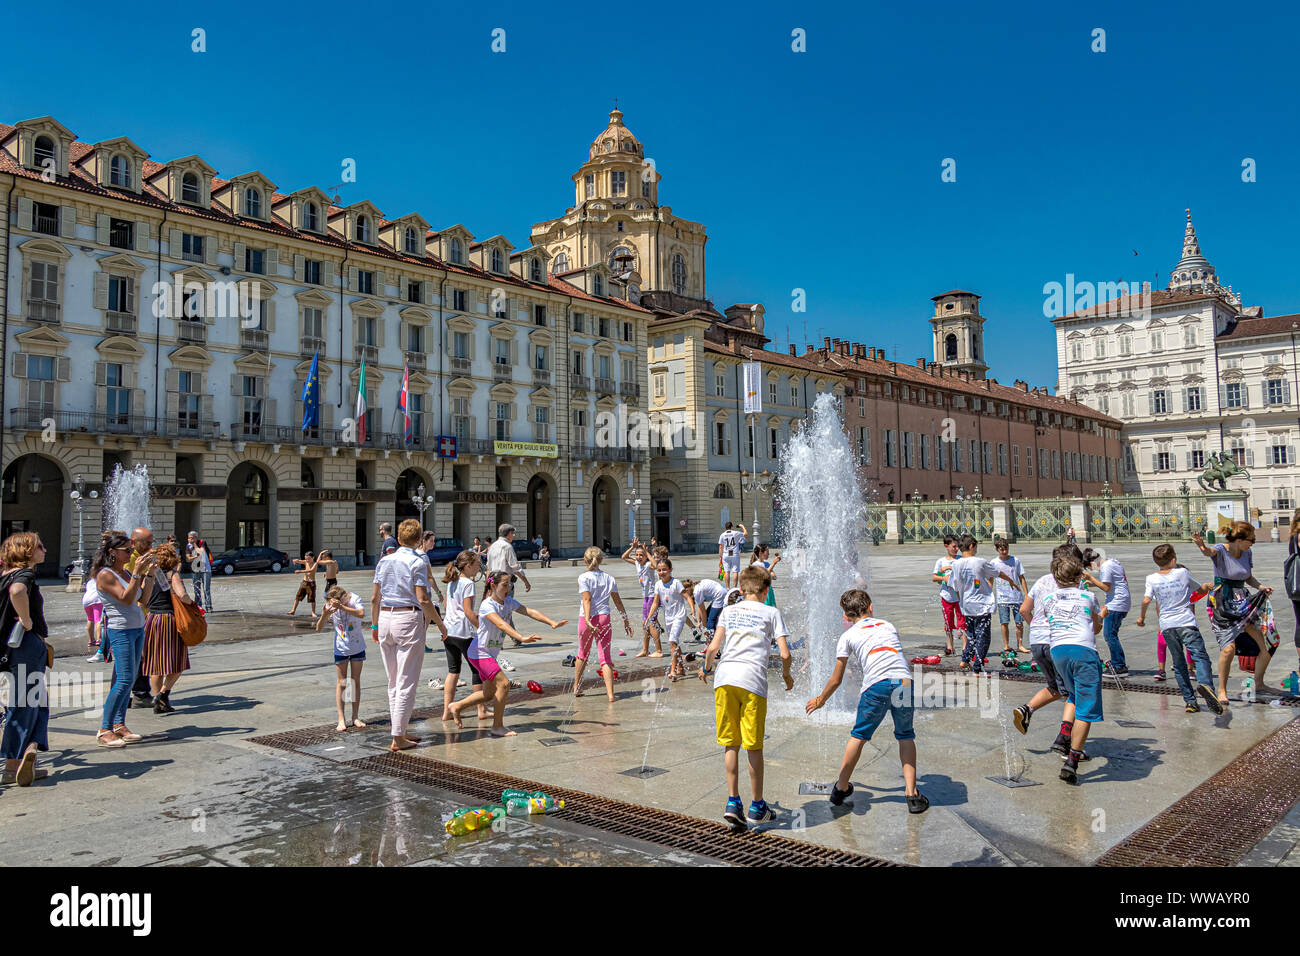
(597, 590)
(93, 605)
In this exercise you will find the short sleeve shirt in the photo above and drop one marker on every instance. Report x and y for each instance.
(457, 623)
(645, 574)
(1232, 569)
(1173, 592)
(671, 600)
(749, 629)
(397, 575)
(731, 542)
(1069, 617)
(875, 646)
(709, 591)
(971, 579)
(1039, 632)
(945, 589)
(349, 638)
(1112, 572)
(1012, 568)
(487, 642)
(600, 585)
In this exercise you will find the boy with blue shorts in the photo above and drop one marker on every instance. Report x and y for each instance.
(740, 645)
(1073, 625)
(886, 688)
(1010, 596)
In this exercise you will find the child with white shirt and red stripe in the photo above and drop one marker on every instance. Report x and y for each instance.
(886, 687)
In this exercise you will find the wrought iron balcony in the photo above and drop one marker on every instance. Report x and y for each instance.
(256, 339)
(111, 423)
(39, 310)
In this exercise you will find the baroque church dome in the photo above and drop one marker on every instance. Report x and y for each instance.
(616, 140)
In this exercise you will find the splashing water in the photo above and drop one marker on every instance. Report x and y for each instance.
(126, 499)
(824, 511)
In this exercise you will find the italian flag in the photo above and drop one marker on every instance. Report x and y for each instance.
(361, 405)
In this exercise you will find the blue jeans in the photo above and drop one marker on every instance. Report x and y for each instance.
(203, 589)
(1110, 630)
(127, 646)
(1178, 638)
(27, 720)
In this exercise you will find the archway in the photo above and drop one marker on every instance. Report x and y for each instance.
(248, 506)
(408, 484)
(604, 502)
(542, 515)
(33, 499)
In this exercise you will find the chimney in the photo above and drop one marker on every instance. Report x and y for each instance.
(828, 343)
(844, 349)
(920, 363)
(808, 349)
(793, 350)
(859, 350)
(871, 354)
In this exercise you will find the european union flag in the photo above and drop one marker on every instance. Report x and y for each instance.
(311, 395)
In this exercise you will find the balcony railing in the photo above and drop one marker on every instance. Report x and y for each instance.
(190, 331)
(368, 352)
(583, 452)
(501, 372)
(579, 382)
(541, 377)
(417, 360)
(310, 346)
(46, 224)
(629, 389)
(461, 366)
(111, 423)
(475, 446)
(38, 310)
(256, 339)
(123, 323)
(605, 386)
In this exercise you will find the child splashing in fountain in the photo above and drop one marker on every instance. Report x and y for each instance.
(494, 621)
(598, 590)
(643, 559)
(349, 649)
(942, 575)
(675, 598)
(886, 687)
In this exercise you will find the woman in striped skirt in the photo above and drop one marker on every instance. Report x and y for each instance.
(165, 654)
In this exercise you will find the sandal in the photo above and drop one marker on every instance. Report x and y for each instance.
(126, 736)
(110, 740)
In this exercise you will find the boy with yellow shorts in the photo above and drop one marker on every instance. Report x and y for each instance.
(740, 646)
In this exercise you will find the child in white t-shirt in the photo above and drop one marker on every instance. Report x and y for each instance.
(597, 590)
(886, 688)
(740, 645)
(942, 575)
(1073, 623)
(346, 611)
(1171, 588)
(675, 599)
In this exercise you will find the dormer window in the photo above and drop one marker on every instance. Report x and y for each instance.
(43, 151)
(597, 284)
(119, 171)
(190, 189)
(497, 261)
(454, 251)
(253, 203)
(411, 241)
(311, 217)
(363, 229)
(535, 270)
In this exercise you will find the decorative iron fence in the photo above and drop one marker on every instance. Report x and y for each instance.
(1039, 518)
(1145, 517)
(876, 522)
(931, 520)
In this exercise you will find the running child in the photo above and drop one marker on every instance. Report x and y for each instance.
(740, 646)
(972, 579)
(874, 646)
(1034, 608)
(762, 556)
(597, 589)
(1171, 588)
(1010, 596)
(461, 623)
(349, 649)
(673, 597)
(952, 619)
(1073, 624)
(493, 614)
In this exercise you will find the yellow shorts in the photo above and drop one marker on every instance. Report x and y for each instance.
(742, 717)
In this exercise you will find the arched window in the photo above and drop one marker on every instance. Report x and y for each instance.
(363, 229)
(454, 250)
(950, 348)
(253, 203)
(679, 274)
(975, 347)
(561, 263)
(190, 191)
(535, 270)
(723, 491)
(43, 150)
(119, 171)
(311, 217)
(361, 478)
(624, 253)
(498, 263)
(412, 241)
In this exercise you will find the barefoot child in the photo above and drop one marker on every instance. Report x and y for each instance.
(740, 646)
(1010, 596)
(886, 687)
(708, 592)
(952, 619)
(1034, 608)
(674, 598)
(597, 589)
(461, 623)
(647, 575)
(1171, 588)
(1074, 623)
(349, 649)
(307, 586)
(493, 615)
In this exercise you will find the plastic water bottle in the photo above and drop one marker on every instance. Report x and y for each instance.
(1293, 684)
(16, 634)
(474, 819)
(545, 802)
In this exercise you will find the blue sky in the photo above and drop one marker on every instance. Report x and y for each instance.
(816, 170)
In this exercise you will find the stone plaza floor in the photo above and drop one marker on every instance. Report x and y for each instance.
(201, 791)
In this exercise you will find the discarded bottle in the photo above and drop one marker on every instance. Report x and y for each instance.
(544, 802)
(511, 793)
(535, 687)
(1292, 684)
(475, 819)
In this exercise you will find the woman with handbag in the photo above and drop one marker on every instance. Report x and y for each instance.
(166, 656)
(124, 621)
(21, 605)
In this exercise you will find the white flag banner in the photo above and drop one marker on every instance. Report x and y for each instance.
(753, 388)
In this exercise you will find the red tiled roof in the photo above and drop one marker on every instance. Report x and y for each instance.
(771, 358)
(1125, 303)
(559, 285)
(1264, 325)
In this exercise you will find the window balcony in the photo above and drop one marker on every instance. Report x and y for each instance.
(40, 310)
(579, 382)
(461, 366)
(541, 378)
(631, 390)
(368, 352)
(310, 346)
(254, 429)
(417, 360)
(190, 331)
(255, 339)
(111, 423)
(46, 224)
(475, 446)
(502, 372)
(120, 323)
(605, 386)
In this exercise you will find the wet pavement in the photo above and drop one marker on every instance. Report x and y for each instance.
(198, 792)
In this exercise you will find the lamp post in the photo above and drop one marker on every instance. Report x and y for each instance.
(78, 495)
(635, 505)
(756, 484)
(422, 502)
(961, 505)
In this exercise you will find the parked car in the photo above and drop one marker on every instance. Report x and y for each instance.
(524, 548)
(444, 550)
(240, 560)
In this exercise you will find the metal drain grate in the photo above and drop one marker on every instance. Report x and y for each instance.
(1220, 821)
(677, 831)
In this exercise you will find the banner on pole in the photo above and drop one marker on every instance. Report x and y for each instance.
(753, 372)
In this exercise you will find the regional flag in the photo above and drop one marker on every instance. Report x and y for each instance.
(404, 402)
(311, 395)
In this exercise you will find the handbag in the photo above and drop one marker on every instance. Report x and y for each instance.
(1291, 571)
(191, 625)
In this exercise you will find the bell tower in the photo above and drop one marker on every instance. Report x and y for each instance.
(959, 332)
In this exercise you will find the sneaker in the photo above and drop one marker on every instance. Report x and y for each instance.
(1061, 745)
(1070, 770)
(1084, 756)
(1192, 708)
(735, 813)
(1121, 671)
(1020, 717)
(97, 659)
(435, 683)
(838, 796)
(760, 813)
(1160, 676)
(569, 661)
(1211, 700)
(505, 664)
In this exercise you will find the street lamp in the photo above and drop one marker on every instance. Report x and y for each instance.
(635, 505)
(422, 502)
(78, 495)
(756, 485)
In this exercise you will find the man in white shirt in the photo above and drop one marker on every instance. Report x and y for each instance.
(972, 578)
(501, 557)
(730, 543)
